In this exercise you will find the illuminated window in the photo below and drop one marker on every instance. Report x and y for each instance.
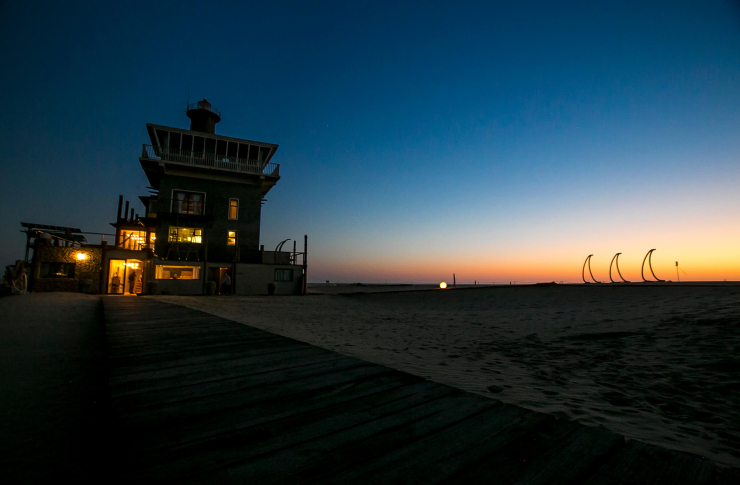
(185, 235)
(177, 272)
(232, 238)
(133, 239)
(233, 208)
(188, 202)
(283, 275)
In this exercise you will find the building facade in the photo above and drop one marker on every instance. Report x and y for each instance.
(199, 230)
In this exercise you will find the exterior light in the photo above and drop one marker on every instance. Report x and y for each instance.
(81, 256)
(443, 285)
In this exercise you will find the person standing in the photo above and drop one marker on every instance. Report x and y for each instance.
(226, 284)
(132, 282)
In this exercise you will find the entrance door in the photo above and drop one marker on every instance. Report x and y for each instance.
(116, 276)
(216, 275)
(221, 289)
(134, 273)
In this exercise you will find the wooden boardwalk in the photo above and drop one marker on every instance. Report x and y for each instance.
(199, 399)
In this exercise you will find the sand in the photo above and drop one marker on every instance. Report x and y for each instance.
(657, 364)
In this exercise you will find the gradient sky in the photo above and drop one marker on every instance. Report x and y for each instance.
(499, 141)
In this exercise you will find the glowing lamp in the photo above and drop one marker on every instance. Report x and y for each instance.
(443, 285)
(81, 256)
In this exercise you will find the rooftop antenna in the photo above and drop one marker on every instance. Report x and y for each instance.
(187, 104)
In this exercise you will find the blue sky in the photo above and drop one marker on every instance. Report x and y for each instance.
(497, 140)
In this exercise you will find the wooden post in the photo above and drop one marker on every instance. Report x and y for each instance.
(305, 264)
(28, 244)
(205, 261)
(236, 260)
(36, 264)
(454, 284)
(103, 273)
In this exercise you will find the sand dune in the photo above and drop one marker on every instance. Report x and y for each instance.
(658, 364)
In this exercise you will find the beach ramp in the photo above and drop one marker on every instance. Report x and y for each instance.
(200, 399)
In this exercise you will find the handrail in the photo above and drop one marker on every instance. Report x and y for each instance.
(210, 160)
(211, 109)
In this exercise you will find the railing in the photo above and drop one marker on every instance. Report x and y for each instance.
(211, 109)
(203, 159)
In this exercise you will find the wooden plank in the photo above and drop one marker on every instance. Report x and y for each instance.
(153, 327)
(441, 455)
(224, 386)
(560, 452)
(184, 430)
(638, 462)
(211, 367)
(124, 365)
(276, 434)
(222, 370)
(388, 431)
(173, 338)
(195, 344)
(196, 407)
(197, 398)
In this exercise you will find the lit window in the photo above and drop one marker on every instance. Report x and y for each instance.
(177, 272)
(185, 235)
(283, 275)
(188, 202)
(232, 238)
(233, 208)
(133, 239)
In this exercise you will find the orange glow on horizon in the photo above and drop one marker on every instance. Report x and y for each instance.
(525, 268)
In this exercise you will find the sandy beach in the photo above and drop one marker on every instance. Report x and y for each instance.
(655, 363)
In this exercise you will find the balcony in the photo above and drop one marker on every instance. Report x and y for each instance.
(210, 160)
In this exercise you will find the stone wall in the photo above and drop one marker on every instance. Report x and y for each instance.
(85, 269)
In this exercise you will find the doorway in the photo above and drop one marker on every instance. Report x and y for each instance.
(217, 275)
(125, 277)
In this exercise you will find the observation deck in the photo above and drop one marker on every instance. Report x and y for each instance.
(209, 161)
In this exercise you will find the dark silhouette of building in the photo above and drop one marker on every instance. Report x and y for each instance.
(201, 219)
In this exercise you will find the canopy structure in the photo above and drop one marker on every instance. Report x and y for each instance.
(67, 230)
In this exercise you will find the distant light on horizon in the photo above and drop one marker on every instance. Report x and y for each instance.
(443, 285)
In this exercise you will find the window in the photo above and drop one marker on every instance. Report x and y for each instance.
(185, 235)
(133, 239)
(177, 272)
(57, 270)
(163, 137)
(283, 275)
(188, 202)
(233, 208)
(232, 238)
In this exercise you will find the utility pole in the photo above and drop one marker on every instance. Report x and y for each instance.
(678, 277)
(454, 284)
